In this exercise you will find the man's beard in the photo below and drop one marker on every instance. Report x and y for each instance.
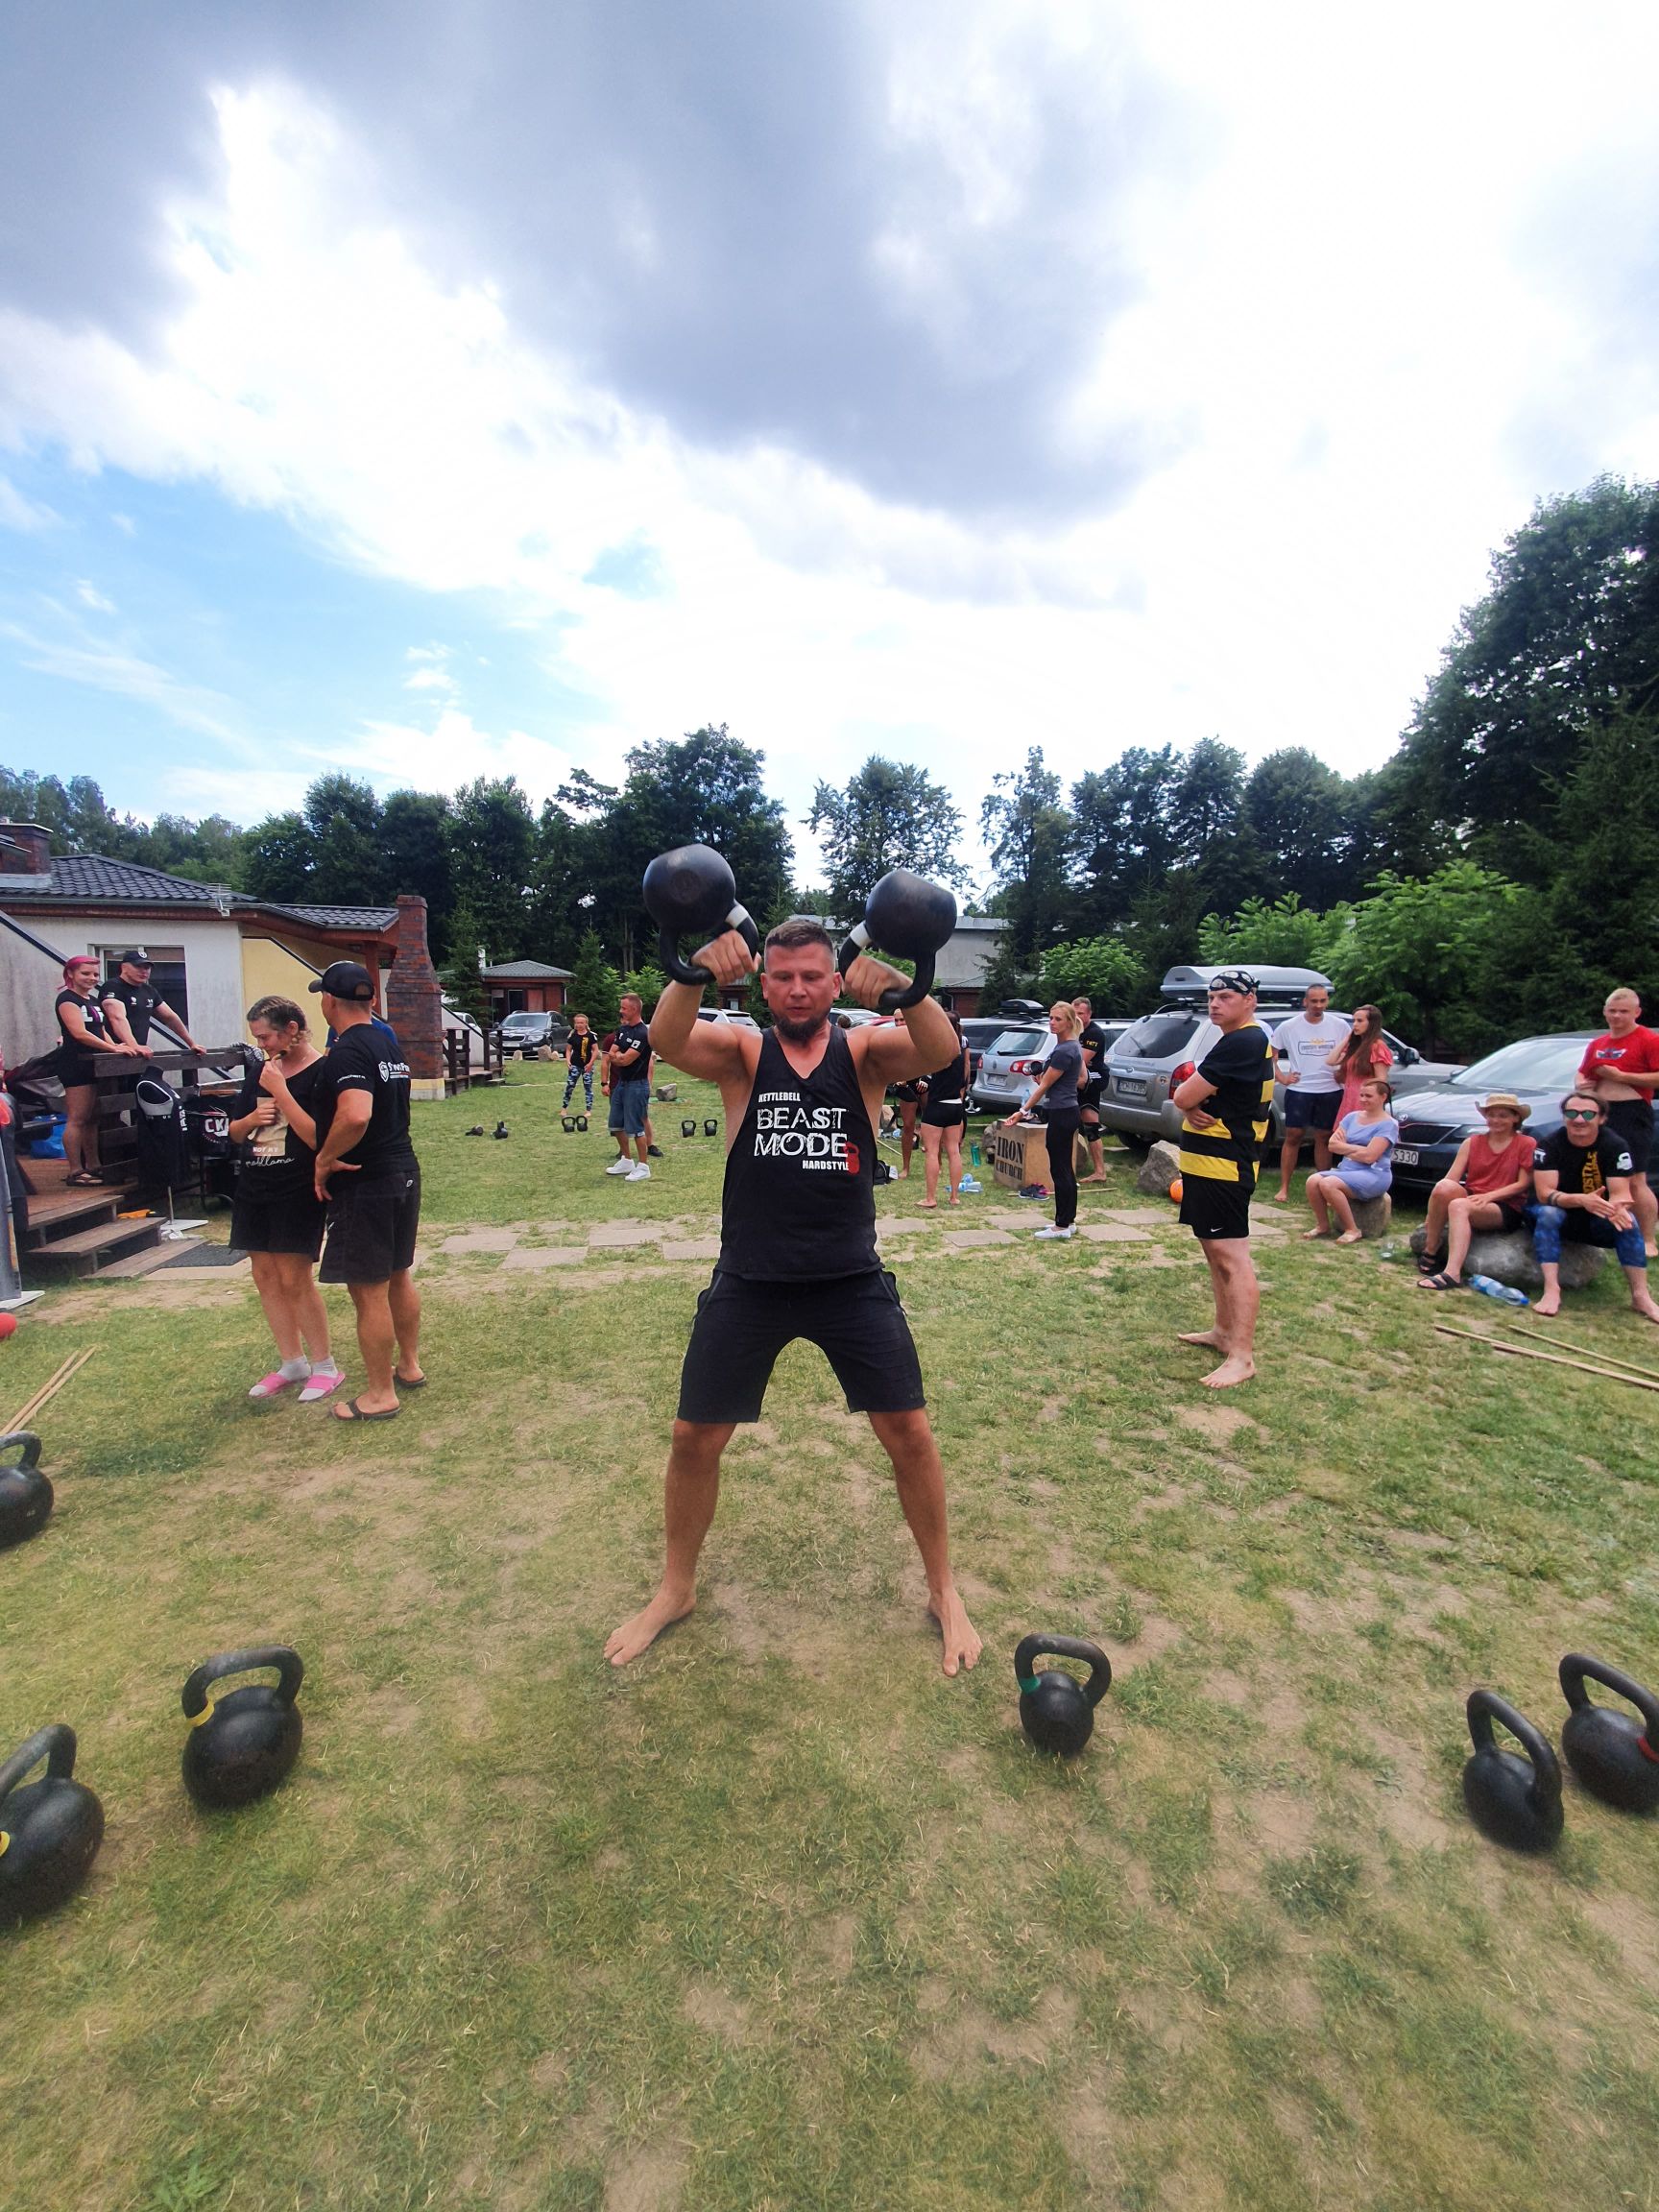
(796, 1032)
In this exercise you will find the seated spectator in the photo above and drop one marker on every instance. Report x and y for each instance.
(1487, 1188)
(1362, 1145)
(1581, 1178)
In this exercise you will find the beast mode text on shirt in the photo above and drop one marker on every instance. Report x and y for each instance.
(815, 1135)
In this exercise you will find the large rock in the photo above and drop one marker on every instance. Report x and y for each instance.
(1372, 1215)
(1158, 1170)
(1509, 1257)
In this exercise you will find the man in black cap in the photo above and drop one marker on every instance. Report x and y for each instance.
(1224, 1106)
(361, 1105)
(131, 1003)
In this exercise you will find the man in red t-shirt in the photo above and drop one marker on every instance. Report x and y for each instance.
(1622, 1068)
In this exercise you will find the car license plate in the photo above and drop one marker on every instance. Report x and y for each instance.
(1129, 1086)
(1407, 1155)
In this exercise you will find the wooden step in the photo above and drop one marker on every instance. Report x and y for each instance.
(146, 1263)
(46, 1215)
(86, 1249)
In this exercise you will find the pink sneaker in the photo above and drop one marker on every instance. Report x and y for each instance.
(272, 1385)
(320, 1386)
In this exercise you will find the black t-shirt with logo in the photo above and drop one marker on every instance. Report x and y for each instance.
(78, 1063)
(1093, 1040)
(630, 1035)
(138, 1001)
(581, 1049)
(1584, 1168)
(367, 1057)
(275, 1163)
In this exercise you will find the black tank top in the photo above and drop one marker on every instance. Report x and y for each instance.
(945, 1084)
(799, 1204)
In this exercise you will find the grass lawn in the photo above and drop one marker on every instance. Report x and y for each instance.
(779, 1918)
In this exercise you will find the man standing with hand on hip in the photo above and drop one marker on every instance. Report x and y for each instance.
(367, 1176)
(1224, 1105)
(798, 1245)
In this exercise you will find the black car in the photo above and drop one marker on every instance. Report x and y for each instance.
(1433, 1123)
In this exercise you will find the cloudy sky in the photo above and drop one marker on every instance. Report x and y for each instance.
(444, 387)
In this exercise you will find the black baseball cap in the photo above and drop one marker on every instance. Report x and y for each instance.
(345, 979)
(134, 958)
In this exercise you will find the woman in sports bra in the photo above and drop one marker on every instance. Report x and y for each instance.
(944, 1116)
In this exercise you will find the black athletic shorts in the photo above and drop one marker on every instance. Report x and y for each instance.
(371, 1227)
(277, 1224)
(1090, 1097)
(1632, 1118)
(1216, 1210)
(741, 1326)
(944, 1114)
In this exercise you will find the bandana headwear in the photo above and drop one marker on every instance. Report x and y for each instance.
(1237, 979)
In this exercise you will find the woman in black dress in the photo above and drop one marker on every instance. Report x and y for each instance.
(85, 1041)
(944, 1116)
(277, 1217)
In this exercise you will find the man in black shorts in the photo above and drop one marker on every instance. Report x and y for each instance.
(1092, 1037)
(361, 1105)
(1224, 1106)
(798, 1246)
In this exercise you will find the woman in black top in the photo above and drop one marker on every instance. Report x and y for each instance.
(944, 1116)
(1056, 1101)
(277, 1217)
(87, 1040)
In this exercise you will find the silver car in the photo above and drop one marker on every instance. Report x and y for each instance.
(1012, 1065)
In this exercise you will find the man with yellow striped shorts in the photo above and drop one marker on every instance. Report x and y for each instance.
(1224, 1106)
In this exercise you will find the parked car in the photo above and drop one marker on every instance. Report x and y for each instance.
(1434, 1122)
(1157, 1051)
(735, 1021)
(980, 1032)
(1012, 1065)
(527, 1033)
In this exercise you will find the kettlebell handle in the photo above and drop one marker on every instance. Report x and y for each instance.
(290, 1670)
(54, 1745)
(907, 886)
(1578, 1666)
(712, 880)
(1484, 1707)
(681, 970)
(31, 1443)
(1031, 1647)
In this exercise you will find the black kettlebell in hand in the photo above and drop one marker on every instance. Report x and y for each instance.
(25, 1493)
(243, 1743)
(50, 1830)
(1057, 1711)
(692, 893)
(1615, 1758)
(1515, 1801)
(907, 915)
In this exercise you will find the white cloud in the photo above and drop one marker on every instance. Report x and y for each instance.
(106, 667)
(90, 595)
(1345, 307)
(17, 512)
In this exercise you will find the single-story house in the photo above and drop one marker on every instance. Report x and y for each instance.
(213, 950)
(962, 962)
(524, 987)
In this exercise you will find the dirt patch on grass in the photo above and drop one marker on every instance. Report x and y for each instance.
(1407, 1804)
(1632, 1928)
(1216, 1424)
(1284, 1824)
(717, 2012)
(648, 2179)
(959, 2034)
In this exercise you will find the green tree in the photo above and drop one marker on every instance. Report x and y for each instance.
(413, 835)
(1284, 933)
(460, 973)
(1005, 976)
(1124, 839)
(1426, 953)
(491, 851)
(1302, 815)
(278, 859)
(888, 816)
(347, 853)
(1029, 835)
(649, 983)
(1103, 969)
(595, 987)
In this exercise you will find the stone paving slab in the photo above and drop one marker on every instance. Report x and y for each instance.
(901, 1225)
(1016, 1216)
(1140, 1216)
(1112, 1233)
(693, 1249)
(537, 1256)
(614, 1235)
(481, 1241)
(973, 1239)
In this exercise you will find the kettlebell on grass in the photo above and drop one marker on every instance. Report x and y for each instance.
(687, 1128)
(25, 1493)
(241, 1745)
(1515, 1801)
(50, 1830)
(1057, 1711)
(1617, 1759)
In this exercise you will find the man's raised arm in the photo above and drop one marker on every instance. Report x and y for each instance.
(709, 1050)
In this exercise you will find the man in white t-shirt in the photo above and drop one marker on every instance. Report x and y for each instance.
(1303, 1048)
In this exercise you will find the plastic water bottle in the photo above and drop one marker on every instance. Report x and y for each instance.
(1392, 1251)
(1506, 1291)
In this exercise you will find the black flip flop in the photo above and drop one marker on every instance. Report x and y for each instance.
(403, 1383)
(352, 1411)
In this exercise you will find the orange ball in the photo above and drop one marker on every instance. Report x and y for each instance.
(8, 1324)
(1175, 1190)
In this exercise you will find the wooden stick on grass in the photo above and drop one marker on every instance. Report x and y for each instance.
(70, 1368)
(1556, 1359)
(1572, 1344)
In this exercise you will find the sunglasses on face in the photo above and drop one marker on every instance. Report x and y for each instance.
(1579, 1114)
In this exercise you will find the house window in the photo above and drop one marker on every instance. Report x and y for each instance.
(166, 973)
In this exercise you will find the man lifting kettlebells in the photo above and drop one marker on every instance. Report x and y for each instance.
(798, 1241)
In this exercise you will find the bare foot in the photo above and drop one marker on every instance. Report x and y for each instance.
(1548, 1304)
(1312, 1236)
(1210, 1338)
(634, 1636)
(961, 1637)
(1236, 1367)
(1647, 1310)
(1102, 1177)
(1281, 1197)
(1352, 1237)
(928, 1204)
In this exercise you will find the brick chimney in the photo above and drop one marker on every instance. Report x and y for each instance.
(25, 849)
(414, 1000)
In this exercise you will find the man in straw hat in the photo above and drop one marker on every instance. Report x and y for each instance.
(1487, 1186)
